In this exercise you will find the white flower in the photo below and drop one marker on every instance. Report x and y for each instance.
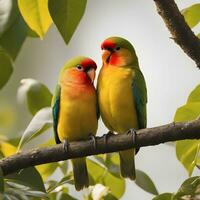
(99, 191)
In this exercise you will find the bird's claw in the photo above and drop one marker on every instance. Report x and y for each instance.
(133, 133)
(93, 138)
(106, 136)
(66, 145)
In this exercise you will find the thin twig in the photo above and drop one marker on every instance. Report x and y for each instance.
(181, 32)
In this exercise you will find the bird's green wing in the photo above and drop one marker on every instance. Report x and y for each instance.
(140, 96)
(55, 111)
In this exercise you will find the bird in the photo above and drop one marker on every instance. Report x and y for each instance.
(74, 110)
(122, 95)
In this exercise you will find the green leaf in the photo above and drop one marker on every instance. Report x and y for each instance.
(32, 33)
(194, 95)
(67, 179)
(187, 153)
(95, 171)
(192, 15)
(11, 41)
(100, 174)
(7, 149)
(35, 194)
(14, 36)
(29, 177)
(6, 68)
(198, 35)
(187, 112)
(49, 142)
(40, 123)
(115, 184)
(189, 188)
(187, 150)
(64, 196)
(7, 14)
(112, 163)
(198, 162)
(14, 193)
(22, 192)
(142, 180)
(36, 15)
(164, 196)
(47, 170)
(110, 197)
(101, 158)
(66, 15)
(52, 196)
(36, 94)
(64, 166)
(50, 185)
(54, 186)
(145, 182)
(1, 182)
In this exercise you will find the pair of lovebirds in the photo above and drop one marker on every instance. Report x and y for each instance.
(120, 99)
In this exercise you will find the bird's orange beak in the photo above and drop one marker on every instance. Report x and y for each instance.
(91, 73)
(106, 56)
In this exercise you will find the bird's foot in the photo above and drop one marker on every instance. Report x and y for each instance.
(93, 138)
(106, 136)
(66, 145)
(133, 133)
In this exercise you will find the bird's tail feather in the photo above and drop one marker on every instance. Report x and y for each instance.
(81, 179)
(127, 164)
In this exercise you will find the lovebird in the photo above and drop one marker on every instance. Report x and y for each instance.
(74, 109)
(122, 95)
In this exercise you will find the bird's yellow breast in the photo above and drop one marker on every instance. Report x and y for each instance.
(115, 98)
(77, 115)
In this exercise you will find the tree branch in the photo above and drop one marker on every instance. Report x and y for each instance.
(181, 32)
(145, 137)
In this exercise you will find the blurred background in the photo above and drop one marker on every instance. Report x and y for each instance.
(170, 76)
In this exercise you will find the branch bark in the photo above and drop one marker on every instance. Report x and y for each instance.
(179, 29)
(144, 137)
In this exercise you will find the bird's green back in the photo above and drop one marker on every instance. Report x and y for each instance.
(55, 104)
(139, 92)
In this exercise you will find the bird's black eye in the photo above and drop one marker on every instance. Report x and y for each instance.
(79, 67)
(117, 48)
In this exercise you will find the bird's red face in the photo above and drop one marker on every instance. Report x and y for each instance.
(108, 48)
(114, 54)
(82, 72)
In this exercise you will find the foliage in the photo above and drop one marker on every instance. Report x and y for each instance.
(66, 15)
(5, 67)
(192, 15)
(189, 190)
(17, 185)
(40, 123)
(32, 18)
(13, 30)
(36, 95)
(143, 181)
(36, 15)
(187, 151)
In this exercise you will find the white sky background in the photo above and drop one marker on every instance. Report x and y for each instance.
(170, 74)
